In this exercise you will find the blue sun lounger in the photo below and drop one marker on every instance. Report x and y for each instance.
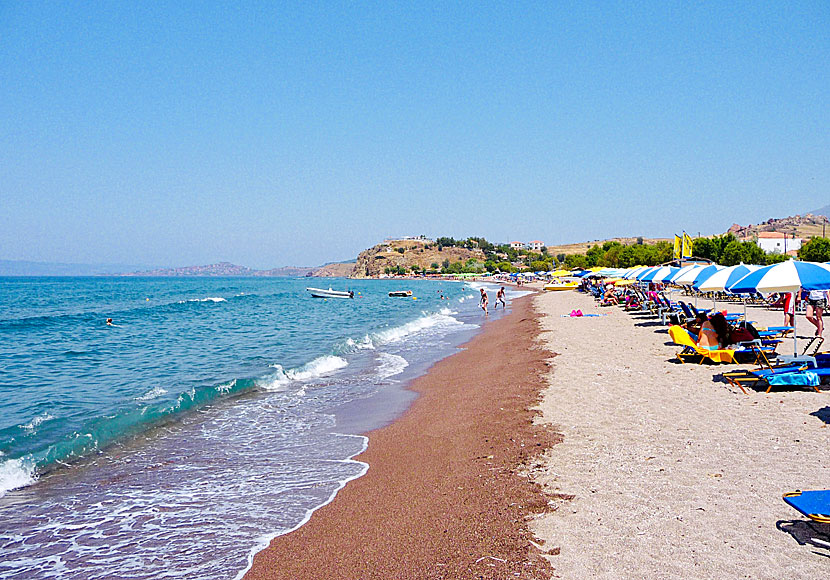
(813, 504)
(807, 371)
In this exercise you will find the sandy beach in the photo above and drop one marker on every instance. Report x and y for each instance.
(558, 447)
(445, 495)
(672, 474)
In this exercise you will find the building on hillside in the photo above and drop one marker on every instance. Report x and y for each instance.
(517, 245)
(535, 245)
(408, 239)
(778, 243)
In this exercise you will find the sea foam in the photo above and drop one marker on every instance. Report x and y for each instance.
(390, 365)
(153, 393)
(15, 473)
(440, 320)
(318, 367)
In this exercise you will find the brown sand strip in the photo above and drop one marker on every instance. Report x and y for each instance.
(443, 497)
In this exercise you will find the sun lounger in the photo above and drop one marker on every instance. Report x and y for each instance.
(813, 504)
(681, 337)
(809, 371)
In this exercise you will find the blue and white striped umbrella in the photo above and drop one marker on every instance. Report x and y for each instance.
(632, 273)
(721, 280)
(641, 275)
(705, 274)
(785, 277)
(659, 274)
(687, 275)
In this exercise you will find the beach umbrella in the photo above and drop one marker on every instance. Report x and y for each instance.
(721, 280)
(558, 273)
(705, 274)
(665, 277)
(644, 272)
(682, 271)
(787, 276)
(686, 278)
(658, 273)
(632, 273)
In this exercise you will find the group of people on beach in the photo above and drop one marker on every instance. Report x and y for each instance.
(484, 301)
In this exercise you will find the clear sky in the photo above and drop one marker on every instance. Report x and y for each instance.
(294, 133)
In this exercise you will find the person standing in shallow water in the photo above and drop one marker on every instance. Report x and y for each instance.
(484, 302)
(500, 298)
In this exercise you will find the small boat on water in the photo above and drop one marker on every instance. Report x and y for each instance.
(560, 285)
(320, 293)
(404, 293)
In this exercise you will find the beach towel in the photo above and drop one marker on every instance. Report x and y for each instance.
(807, 378)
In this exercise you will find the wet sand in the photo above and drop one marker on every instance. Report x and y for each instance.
(445, 495)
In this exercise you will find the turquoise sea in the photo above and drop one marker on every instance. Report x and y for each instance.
(212, 415)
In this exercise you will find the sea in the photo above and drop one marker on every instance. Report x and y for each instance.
(212, 415)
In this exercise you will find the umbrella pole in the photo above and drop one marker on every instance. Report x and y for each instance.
(795, 332)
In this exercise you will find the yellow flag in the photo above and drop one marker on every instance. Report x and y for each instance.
(687, 245)
(677, 243)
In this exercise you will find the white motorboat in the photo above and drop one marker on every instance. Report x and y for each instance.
(320, 293)
(403, 293)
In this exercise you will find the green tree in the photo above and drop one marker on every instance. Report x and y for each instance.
(576, 261)
(775, 257)
(815, 250)
(732, 254)
(706, 248)
(434, 265)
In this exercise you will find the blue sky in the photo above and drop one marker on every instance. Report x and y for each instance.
(272, 134)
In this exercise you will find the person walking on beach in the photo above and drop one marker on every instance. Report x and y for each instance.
(484, 302)
(500, 298)
(790, 299)
(816, 303)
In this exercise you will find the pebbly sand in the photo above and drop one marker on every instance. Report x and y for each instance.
(672, 474)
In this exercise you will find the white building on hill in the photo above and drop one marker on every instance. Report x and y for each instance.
(778, 243)
(535, 245)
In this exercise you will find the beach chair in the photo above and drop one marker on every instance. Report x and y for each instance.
(776, 331)
(813, 504)
(681, 337)
(807, 371)
(809, 353)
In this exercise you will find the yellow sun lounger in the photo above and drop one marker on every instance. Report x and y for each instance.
(681, 337)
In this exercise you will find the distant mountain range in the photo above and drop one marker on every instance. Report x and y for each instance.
(24, 268)
(224, 269)
(825, 211)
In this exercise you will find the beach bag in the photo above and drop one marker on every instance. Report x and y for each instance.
(740, 335)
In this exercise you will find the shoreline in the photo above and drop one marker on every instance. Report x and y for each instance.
(445, 495)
